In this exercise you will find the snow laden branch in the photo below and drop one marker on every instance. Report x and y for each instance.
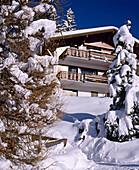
(29, 88)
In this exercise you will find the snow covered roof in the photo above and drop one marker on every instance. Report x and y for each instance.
(90, 35)
(78, 37)
(88, 31)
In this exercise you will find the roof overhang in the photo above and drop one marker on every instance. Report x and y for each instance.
(79, 37)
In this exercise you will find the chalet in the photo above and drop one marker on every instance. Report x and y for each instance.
(83, 58)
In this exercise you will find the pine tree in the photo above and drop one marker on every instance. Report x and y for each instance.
(123, 85)
(69, 23)
(29, 88)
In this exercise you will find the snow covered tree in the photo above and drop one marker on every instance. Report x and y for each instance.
(29, 88)
(69, 23)
(45, 10)
(122, 121)
(51, 9)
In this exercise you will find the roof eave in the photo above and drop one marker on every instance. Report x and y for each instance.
(84, 32)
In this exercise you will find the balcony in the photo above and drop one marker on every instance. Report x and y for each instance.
(83, 82)
(92, 59)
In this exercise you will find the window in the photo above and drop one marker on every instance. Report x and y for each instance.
(89, 71)
(73, 73)
(73, 70)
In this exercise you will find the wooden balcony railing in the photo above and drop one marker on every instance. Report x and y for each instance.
(92, 54)
(82, 77)
(89, 54)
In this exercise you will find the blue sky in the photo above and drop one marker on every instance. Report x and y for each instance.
(96, 13)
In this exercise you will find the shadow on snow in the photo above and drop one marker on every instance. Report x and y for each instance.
(76, 116)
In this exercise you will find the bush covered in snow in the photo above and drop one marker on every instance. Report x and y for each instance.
(29, 88)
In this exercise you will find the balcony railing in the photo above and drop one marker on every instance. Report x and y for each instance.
(83, 77)
(92, 54)
(89, 54)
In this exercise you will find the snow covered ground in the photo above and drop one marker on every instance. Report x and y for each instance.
(94, 152)
(87, 151)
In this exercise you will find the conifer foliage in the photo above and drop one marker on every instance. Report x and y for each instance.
(121, 122)
(69, 23)
(29, 88)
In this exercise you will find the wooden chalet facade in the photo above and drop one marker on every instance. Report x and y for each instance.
(83, 57)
